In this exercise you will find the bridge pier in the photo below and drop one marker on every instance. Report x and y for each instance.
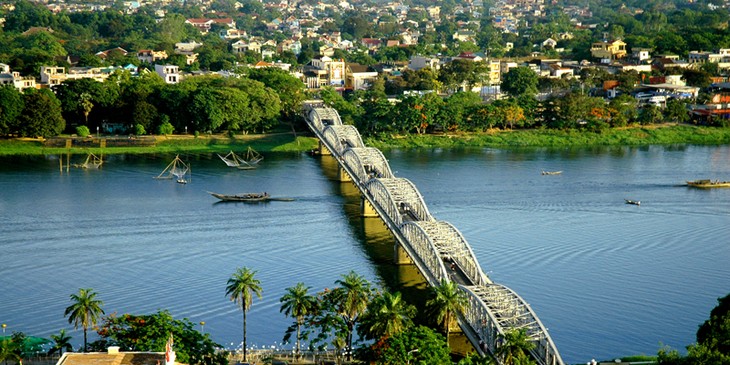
(401, 256)
(323, 151)
(342, 175)
(366, 209)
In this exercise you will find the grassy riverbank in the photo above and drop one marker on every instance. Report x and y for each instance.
(278, 142)
(287, 142)
(636, 136)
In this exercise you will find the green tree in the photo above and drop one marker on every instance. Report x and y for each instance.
(623, 110)
(290, 89)
(86, 105)
(241, 287)
(387, 315)
(515, 348)
(650, 114)
(520, 81)
(82, 131)
(297, 303)
(9, 350)
(350, 300)
(457, 108)
(84, 311)
(41, 115)
(165, 127)
(420, 345)
(27, 14)
(446, 300)
(676, 111)
(714, 333)
(150, 332)
(11, 107)
(61, 343)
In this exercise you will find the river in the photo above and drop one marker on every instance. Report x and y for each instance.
(606, 278)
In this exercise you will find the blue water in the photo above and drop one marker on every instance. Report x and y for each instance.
(606, 278)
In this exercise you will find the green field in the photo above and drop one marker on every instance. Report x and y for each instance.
(287, 142)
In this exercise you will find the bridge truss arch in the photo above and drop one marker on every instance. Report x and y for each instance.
(495, 309)
(451, 246)
(342, 137)
(367, 163)
(324, 116)
(398, 197)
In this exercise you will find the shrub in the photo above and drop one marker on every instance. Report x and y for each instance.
(139, 129)
(166, 128)
(82, 131)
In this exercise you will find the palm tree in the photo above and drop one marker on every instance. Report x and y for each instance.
(86, 105)
(515, 348)
(447, 300)
(9, 351)
(386, 315)
(84, 311)
(298, 303)
(353, 296)
(61, 343)
(242, 285)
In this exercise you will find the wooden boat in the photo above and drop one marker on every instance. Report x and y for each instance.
(551, 172)
(245, 197)
(246, 162)
(707, 184)
(634, 202)
(92, 162)
(177, 169)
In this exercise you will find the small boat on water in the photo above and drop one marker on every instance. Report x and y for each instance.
(248, 197)
(248, 161)
(177, 169)
(634, 202)
(551, 172)
(244, 197)
(707, 183)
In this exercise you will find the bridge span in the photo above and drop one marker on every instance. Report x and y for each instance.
(436, 248)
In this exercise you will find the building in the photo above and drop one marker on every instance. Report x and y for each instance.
(359, 77)
(169, 73)
(150, 56)
(608, 51)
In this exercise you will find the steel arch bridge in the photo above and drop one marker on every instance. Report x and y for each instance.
(437, 248)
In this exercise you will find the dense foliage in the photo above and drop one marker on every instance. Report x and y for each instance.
(713, 340)
(150, 332)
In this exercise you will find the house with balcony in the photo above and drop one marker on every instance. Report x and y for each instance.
(169, 73)
(150, 56)
(52, 75)
(243, 46)
(609, 51)
(14, 79)
(325, 71)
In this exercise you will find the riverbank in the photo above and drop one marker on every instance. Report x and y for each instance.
(631, 136)
(289, 142)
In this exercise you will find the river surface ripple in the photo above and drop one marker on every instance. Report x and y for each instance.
(606, 278)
